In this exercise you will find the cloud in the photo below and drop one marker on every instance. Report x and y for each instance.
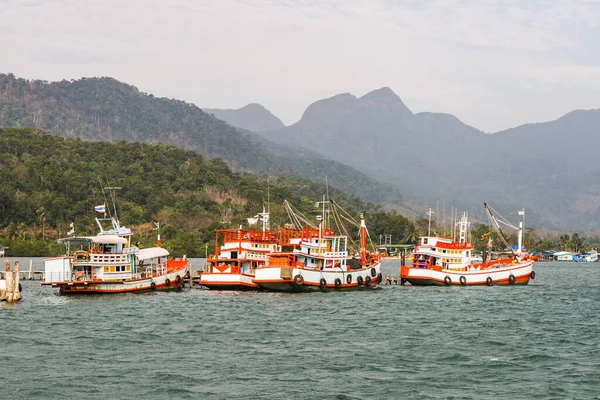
(493, 63)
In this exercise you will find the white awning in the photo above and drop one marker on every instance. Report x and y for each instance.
(100, 239)
(108, 239)
(152, 252)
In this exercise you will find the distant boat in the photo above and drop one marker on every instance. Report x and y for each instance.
(238, 253)
(108, 263)
(443, 261)
(318, 259)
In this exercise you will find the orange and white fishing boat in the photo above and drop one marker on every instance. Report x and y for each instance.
(444, 261)
(317, 259)
(238, 253)
(108, 263)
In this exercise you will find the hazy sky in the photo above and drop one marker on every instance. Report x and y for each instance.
(494, 64)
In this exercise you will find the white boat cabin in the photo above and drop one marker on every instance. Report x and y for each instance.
(317, 249)
(242, 250)
(442, 252)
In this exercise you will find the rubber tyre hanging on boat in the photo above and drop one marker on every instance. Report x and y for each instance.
(178, 279)
(489, 281)
(323, 283)
(338, 283)
(447, 280)
(368, 281)
(373, 272)
(349, 279)
(360, 280)
(298, 280)
(532, 275)
(168, 282)
(463, 280)
(380, 278)
(153, 285)
(511, 279)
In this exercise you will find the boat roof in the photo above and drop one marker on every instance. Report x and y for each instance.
(100, 239)
(151, 252)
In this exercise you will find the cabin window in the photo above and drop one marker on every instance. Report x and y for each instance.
(112, 269)
(424, 240)
(444, 251)
(105, 269)
(128, 268)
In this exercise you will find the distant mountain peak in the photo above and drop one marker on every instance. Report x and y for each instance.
(253, 117)
(386, 97)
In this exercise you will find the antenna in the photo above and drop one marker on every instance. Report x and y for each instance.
(113, 198)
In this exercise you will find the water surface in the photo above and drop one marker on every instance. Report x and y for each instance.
(536, 341)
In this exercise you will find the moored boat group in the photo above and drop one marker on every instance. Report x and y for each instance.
(298, 257)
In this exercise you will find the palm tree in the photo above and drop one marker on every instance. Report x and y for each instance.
(411, 234)
(576, 243)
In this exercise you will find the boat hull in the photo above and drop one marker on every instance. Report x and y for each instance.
(503, 274)
(303, 280)
(227, 281)
(171, 281)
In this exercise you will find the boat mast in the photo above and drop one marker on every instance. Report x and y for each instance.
(363, 240)
(520, 235)
(429, 213)
(463, 227)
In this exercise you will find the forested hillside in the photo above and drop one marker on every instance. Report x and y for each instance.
(47, 182)
(105, 109)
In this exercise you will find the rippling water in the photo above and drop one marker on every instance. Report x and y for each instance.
(536, 341)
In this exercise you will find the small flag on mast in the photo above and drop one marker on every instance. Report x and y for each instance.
(72, 231)
(100, 208)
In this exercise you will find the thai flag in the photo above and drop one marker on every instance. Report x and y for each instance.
(100, 209)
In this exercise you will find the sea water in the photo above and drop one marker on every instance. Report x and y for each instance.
(538, 341)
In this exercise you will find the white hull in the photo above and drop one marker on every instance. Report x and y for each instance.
(169, 281)
(500, 274)
(227, 281)
(269, 278)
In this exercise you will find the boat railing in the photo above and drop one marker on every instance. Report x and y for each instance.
(109, 258)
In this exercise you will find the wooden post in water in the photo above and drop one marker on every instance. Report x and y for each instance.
(190, 274)
(11, 291)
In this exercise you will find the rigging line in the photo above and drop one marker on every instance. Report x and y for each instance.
(104, 195)
(502, 219)
(352, 220)
(495, 221)
(342, 227)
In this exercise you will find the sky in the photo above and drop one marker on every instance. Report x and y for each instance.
(495, 64)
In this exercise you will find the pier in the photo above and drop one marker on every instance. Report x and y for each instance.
(29, 275)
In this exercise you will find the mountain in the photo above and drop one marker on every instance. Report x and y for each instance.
(104, 109)
(547, 168)
(252, 117)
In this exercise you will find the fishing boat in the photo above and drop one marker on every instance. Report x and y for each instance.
(109, 263)
(444, 261)
(238, 253)
(315, 258)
